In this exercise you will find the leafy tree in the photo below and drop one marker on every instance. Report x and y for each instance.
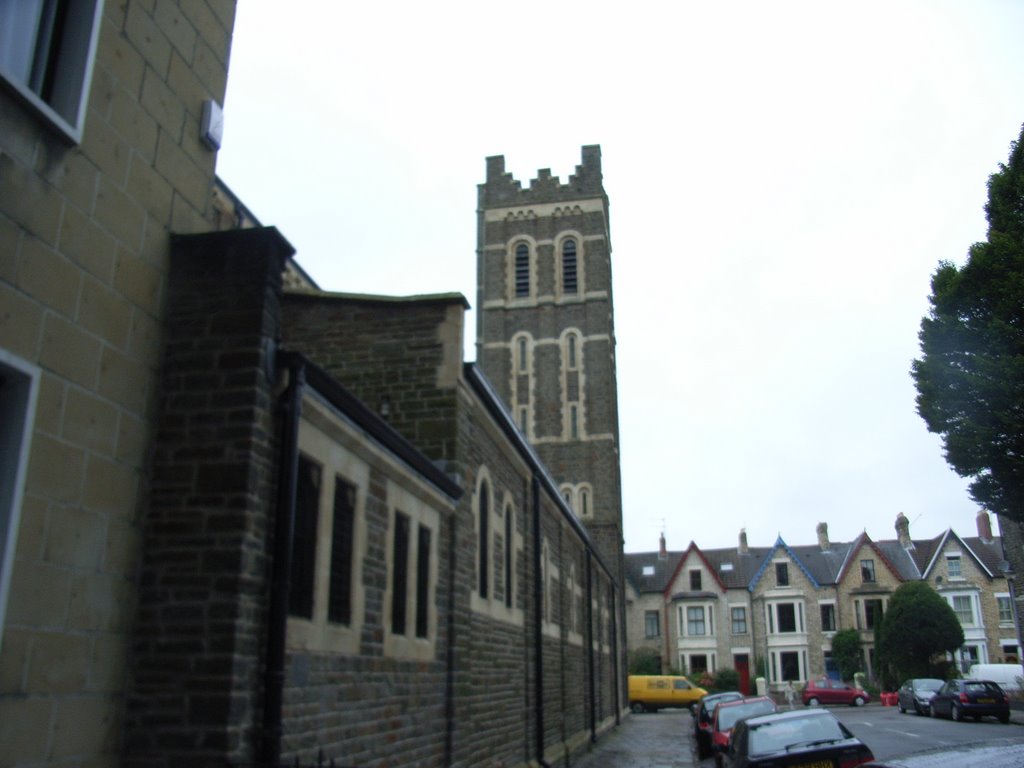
(644, 661)
(970, 377)
(846, 652)
(918, 625)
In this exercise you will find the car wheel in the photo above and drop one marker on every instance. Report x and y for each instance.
(1004, 719)
(956, 714)
(933, 712)
(900, 707)
(859, 701)
(638, 707)
(812, 702)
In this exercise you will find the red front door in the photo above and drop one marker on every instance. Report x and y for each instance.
(741, 662)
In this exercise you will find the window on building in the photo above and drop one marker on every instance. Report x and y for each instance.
(873, 611)
(339, 598)
(1005, 609)
(739, 620)
(963, 609)
(400, 583)
(569, 279)
(695, 580)
(523, 418)
(867, 571)
(307, 519)
(47, 49)
(484, 540)
(584, 502)
(953, 567)
(509, 558)
(782, 574)
(19, 383)
(522, 276)
(574, 422)
(695, 624)
(786, 613)
(522, 361)
(789, 663)
(698, 663)
(571, 353)
(422, 580)
(828, 617)
(652, 624)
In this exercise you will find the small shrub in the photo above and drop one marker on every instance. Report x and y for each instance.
(726, 680)
(644, 661)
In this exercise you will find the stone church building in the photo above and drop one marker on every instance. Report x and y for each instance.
(246, 521)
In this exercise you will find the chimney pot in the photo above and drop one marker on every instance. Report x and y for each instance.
(984, 526)
(743, 541)
(903, 531)
(662, 549)
(823, 541)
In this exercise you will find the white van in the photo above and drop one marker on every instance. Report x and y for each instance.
(1008, 676)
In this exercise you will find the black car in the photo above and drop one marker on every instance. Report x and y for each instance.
(971, 698)
(916, 694)
(800, 737)
(702, 718)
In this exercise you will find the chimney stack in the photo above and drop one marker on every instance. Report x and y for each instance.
(823, 541)
(662, 549)
(903, 531)
(984, 526)
(743, 541)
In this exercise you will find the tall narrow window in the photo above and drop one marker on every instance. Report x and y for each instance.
(522, 270)
(571, 352)
(574, 422)
(522, 354)
(782, 574)
(867, 571)
(307, 515)
(339, 600)
(508, 556)
(569, 280)
(422, 581)
(523, 412)
(400, 561)
(483, 517)
(584, 503)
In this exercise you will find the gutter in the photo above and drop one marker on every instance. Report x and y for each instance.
(284, 530)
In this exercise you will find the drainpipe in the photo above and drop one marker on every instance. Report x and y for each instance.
(449, 675)
(591, 670)
(284, 530)
(616, 624)
(538, 630)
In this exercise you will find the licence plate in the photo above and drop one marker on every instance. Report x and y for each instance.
(986, 701)
(815, 764)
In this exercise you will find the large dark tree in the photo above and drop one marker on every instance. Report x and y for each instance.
(918, 626)
(970, 377)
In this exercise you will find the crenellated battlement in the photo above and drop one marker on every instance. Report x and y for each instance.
(501, 189)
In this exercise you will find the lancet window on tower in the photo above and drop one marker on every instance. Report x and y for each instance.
(522, 270)
(570, 282)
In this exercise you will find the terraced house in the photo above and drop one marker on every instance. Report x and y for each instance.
(244, 520)
(774, 610)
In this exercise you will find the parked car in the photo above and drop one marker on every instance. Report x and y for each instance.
(728, 713)
(971, 698)
(798, 737)
(702, 718)
(916, 694)
(997, 753)
(649, 693)
(825, 691)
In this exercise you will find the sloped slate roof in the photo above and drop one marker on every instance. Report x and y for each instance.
(635, 562)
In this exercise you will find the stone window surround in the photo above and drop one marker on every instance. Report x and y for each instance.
(510, 270)
(708, 619)
(559, 243)
(491, 605)
(65, 109)
(17, 415)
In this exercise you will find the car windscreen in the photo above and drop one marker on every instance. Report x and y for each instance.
(929, 685)
(983, 689)
(728, 716)
(777, 735)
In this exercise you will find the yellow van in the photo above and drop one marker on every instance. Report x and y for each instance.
(649, 693)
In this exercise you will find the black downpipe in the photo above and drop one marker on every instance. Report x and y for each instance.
(591, 668)
(449, 682)
(538, 630)
(618, 624)
(284, 531)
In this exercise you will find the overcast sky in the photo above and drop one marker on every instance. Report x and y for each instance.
(784, 178)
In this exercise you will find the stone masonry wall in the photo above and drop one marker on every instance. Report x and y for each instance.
(83, 261)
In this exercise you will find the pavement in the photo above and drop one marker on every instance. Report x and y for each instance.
(662, 739)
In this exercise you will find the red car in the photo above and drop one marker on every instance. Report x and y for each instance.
(825, 691)
(728, 713)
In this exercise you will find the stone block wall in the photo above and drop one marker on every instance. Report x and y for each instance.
(83, 261)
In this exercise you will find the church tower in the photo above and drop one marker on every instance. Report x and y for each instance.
(546, 334)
